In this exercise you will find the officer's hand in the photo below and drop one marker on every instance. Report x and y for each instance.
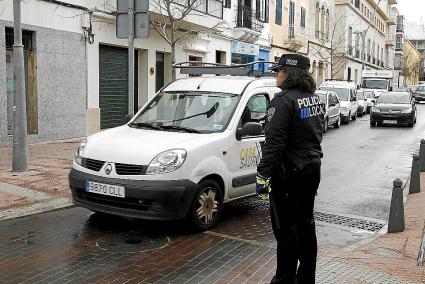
(263, 188)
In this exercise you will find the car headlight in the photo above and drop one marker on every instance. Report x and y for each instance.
(166, 162)
(409, 110)
(79, 153)
(377, 110)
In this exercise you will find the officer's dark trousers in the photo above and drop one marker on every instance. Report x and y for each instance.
(291, 208)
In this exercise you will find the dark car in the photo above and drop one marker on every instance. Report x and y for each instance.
(394, 108)
(420, 93)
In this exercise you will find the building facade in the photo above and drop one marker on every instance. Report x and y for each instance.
(55, 71)
(416, 34)
(362, 40)
(399, 78)
(412, 60)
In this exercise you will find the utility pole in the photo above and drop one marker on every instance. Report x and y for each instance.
(20, 146)
(130, 57)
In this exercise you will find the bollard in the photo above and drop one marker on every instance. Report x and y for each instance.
(422, 155)
(396, 220)
(415, 181)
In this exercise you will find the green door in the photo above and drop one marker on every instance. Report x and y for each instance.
(113, 85)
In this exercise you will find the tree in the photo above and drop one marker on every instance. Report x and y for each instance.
(170, 21)
(333, 48)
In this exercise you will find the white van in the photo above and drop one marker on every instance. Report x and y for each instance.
(346, 92)
(191, 148)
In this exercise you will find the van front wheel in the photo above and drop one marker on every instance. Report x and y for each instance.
(207, 206)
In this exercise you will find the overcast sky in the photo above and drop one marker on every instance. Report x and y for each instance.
(413, 10)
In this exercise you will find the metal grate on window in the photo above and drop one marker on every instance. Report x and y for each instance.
(27, 39)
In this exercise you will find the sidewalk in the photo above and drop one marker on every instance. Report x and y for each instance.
(390, 258)
(384, 258)
(44, 187)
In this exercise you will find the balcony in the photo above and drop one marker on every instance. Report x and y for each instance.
(248, 27)
(293, 42)
(390, 41)
(391, 21)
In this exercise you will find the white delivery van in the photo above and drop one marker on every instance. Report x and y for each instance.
(377, 81)
(346, 92)
(191, 148)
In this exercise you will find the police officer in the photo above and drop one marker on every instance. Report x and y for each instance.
(291, 161)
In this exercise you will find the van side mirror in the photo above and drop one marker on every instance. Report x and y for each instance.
(390, 89)
(249, 129)
(127, 118)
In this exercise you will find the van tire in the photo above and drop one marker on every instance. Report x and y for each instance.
(208, 199)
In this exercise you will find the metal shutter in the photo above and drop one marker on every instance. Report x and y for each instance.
(113, 85)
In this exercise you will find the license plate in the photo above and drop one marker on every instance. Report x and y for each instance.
(105, 189)
(390, 121)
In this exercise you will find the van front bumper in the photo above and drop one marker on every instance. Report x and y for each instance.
(152, 200)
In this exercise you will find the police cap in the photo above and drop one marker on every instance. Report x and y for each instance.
(292, 60)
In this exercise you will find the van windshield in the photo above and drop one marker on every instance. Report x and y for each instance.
(202, 112)
(342, 93)
(375, 84)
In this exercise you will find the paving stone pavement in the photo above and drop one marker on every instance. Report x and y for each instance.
(74, 246)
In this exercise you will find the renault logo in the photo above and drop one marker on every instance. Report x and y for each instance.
(108, 168)
(390, 111)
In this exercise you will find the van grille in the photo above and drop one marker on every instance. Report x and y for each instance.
(91, 164)
(125, 169)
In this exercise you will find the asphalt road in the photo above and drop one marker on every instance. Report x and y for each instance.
(360, 163)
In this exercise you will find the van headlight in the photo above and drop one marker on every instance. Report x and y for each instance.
(409, 110)
(79, 153)
(377, 110)
(166, 162)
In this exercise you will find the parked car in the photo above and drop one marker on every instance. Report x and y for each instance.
(193, 147)
(420, 93)
(333, 112)
(394, 108)
(362, 101)
(346, 92)
(370, 100)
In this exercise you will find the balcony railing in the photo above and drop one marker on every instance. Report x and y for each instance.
(246, 19)
(291, 32)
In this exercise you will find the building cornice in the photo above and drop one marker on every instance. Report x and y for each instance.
(383, 15)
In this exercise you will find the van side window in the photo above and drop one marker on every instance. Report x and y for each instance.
(255, 110)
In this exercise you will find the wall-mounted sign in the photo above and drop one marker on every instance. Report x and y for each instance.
(245, 48)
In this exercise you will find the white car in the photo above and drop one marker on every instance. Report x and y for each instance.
(346, 92)
(333, 112)
(362, 101)
(370, 100)
(191, 148)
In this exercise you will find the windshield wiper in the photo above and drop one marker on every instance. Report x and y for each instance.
(176, 127)
(146, 125)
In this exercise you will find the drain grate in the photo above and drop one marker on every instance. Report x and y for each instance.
(369, 225)
(348, 221)
(131, 242)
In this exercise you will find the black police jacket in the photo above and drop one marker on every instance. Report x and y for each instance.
(293, 131)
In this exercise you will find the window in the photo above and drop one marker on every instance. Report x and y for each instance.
(215, 8)
(255, 110)
(327, 24)
(262, 10)
(357, 45)
(291, 33)
(302, 21)
(398, 42)
(278, 18)
(357, 4)
(322, 23)
(227, 3)
(317, 20)
(350, 41)
(194, 59)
